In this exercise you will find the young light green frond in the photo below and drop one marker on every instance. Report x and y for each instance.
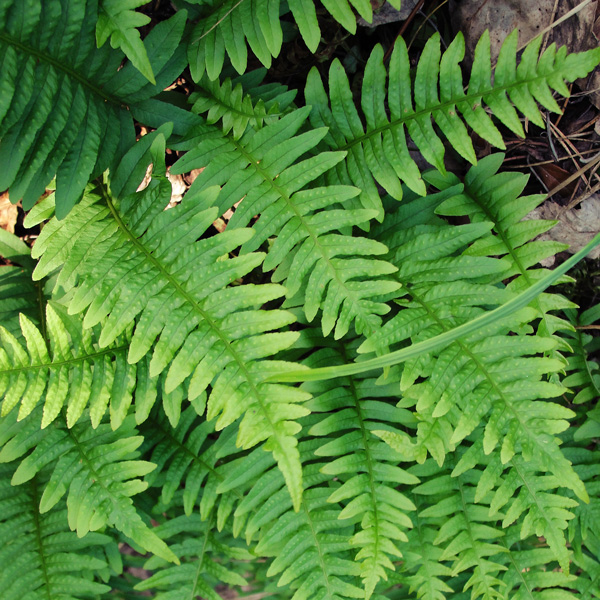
(261, 168)
(62, 97)
(119, 21)
(97, 469)
(40, 557)
(350, 410)
(237, 107)
(132, 259)
(62, 366)
(226, 28)
(377, 150)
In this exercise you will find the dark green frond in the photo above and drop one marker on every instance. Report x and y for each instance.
(226, 28)
(62, 97)
(96, 468)
(41, 559)
(378, 152)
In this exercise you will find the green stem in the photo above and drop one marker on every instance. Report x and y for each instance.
(442, 340)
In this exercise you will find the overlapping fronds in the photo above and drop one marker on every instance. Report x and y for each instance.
(493, 375)
(128, 259)
(205, 557)
(40, 557)
(226, 27)
(527, 496)
(238, 104)
(469, 537)
(187, 457)
(368, 469)
(313, 255)
(62, 97)
(378, 151)
(97, 469)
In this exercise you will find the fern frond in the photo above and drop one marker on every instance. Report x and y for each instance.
(225, 28)
(62, 96)
(343, 278)
(119, 21)
(368, 470)
(202, 552)
(236, 107)
(378, 152)
(40, 557)
(68, 369)
(468, 535)
(132, 260)
(482, 375)
(96, 468)
(526, 495)
(186, 457)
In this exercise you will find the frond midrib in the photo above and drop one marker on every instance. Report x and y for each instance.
(63, 363)
(441, 106)
(49, 59)
(196, 307)
(315, 238)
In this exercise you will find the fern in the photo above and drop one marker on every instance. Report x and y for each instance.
(58, 563)
(150, 349)
(379, 151)
(61, 96)
(226, 27)
(119, 22)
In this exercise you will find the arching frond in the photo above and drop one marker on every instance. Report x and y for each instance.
(132, 259)
(311, 243)
(378, 151)
(62, 96)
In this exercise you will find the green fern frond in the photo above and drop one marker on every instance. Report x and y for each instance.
(18, 293)
(202, 552)
(226, 27)
(132, 259)
(40, 557)
(67, 369)
(527, 496)
(378, 151)
(187, 457)
(96, 468)
(62, 96)
(236, 107)
(261, 169)
(119, 21)
(367, 468)
(480, 376)
(469, 536)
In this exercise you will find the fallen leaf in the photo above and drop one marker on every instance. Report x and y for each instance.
(8, 213)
